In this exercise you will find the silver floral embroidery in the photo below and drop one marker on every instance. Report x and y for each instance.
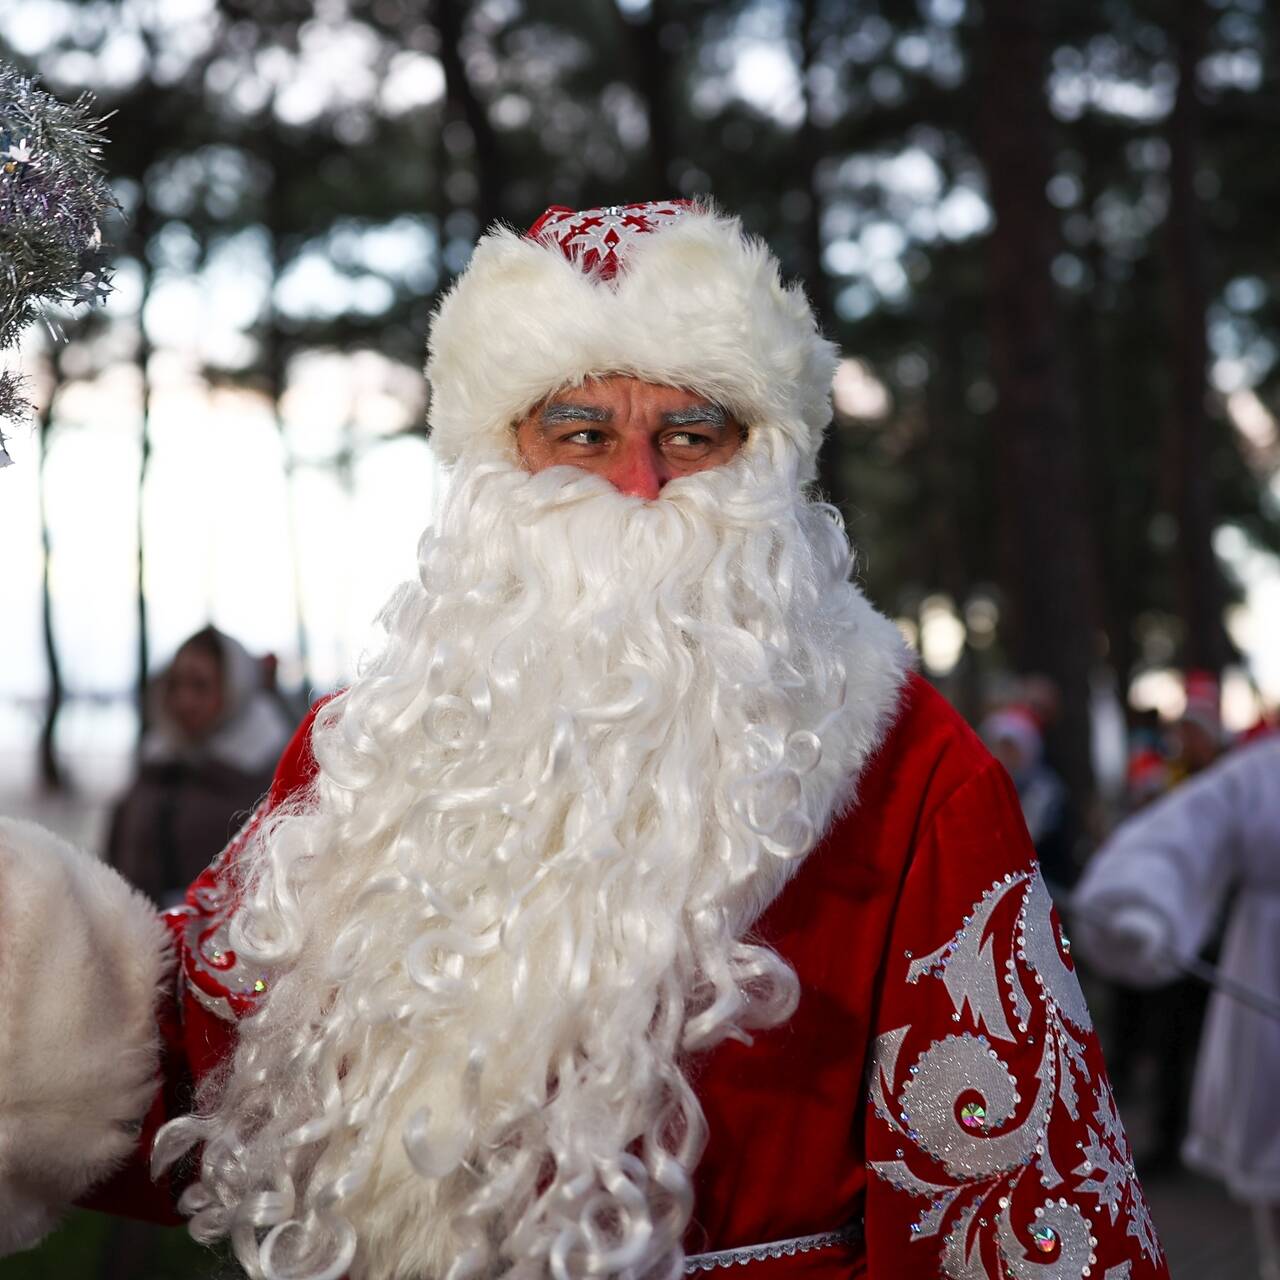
(1107, 1172)
(1038, 942)
(1070, 1233)
(960, 1104)
(213, 971)
(966, 967)
(929, 1101)
(961, 1251)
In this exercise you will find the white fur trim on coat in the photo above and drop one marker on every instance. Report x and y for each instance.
(82, 956)
(696, 304)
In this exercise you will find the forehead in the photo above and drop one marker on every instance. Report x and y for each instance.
(616, 387)
(194, 661)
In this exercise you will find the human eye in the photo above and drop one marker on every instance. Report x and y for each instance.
(687, 443)
(573, 426)
(584, 436)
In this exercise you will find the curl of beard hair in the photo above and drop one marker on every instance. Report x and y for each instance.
(599, 737)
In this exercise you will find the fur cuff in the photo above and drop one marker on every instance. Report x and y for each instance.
(82, 956)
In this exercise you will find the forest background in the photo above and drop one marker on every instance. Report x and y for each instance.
(1042, 234)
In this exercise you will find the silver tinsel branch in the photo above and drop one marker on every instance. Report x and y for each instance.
(53, 197)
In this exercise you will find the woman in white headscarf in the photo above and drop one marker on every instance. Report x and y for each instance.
(207, 760)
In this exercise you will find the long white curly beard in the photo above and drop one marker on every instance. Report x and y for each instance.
(600, 736)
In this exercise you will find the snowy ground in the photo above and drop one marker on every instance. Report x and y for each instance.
(80, 817)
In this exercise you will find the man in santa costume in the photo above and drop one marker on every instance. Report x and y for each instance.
(637, 910)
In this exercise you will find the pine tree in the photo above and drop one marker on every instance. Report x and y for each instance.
(53, 198)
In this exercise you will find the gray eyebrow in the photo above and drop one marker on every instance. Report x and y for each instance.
(562, 411)
(711, 414)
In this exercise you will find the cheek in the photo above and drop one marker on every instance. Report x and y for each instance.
(532, 451)
(717, 457)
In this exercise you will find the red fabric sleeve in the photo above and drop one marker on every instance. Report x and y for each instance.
(992, 1140)
(198, 1013)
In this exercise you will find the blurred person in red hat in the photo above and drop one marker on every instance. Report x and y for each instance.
(1146, 778)
(1014, 736)
(1197, 735)
(637, 910)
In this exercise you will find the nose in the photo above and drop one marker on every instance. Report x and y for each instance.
(639, 471)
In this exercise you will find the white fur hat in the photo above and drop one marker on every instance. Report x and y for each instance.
(674, 293)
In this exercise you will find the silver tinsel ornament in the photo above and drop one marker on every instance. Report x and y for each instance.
(53, 197)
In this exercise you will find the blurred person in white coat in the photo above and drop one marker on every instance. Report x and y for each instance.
(1149, 900)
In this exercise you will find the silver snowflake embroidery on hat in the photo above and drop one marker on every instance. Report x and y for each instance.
(599, 239)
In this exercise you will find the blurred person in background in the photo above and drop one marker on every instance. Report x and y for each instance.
(1155, 1032)
(1197, 737)
(1013, 735)
(1153, 895)
(216, 734)
(1146, 778)
(217, 730)
(293, 703)
(1149, 1044)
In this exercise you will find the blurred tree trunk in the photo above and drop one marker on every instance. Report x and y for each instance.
(650, 64)
(143, 229)
(1045, 546)
(1200, 587)
(944, 559)
(151, 105)
(811, 151)
(811, 148)
(275, 369)
(1118, 577)
(462, 102)
(52, 777)
(1105, 435)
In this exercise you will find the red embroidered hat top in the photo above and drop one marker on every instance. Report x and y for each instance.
(598, 239)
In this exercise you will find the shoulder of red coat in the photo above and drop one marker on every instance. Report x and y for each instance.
(297, 763)
(929, 744)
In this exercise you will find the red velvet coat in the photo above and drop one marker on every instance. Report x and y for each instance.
(940, 1082)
